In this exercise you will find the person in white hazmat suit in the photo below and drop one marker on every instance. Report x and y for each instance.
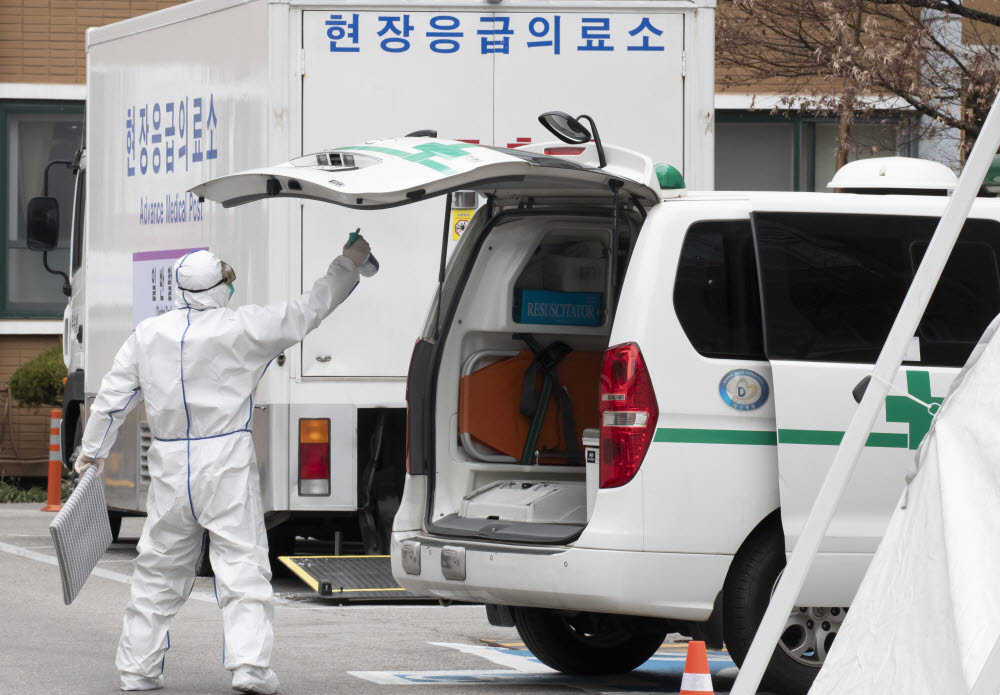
(196, 368)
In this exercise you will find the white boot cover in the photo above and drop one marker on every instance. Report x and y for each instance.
(253, 679)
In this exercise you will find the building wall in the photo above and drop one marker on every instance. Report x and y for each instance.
(42, 51)
(24, 432)
(42, 41)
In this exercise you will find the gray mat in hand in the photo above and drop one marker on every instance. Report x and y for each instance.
(81, 533)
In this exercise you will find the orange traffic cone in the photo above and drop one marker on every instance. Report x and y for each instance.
(55, 463)
(697, 679)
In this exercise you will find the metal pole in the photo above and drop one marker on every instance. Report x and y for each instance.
(988, 682)
(889, 361)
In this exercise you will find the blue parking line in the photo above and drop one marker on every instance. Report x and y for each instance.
(660, 664)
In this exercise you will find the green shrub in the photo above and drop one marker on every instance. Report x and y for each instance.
(40, 381)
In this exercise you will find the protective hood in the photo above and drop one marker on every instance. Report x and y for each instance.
(198, 270)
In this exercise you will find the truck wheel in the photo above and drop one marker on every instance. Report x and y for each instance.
(809, 632)
(115, 519)
(279, 542)
(589, 643)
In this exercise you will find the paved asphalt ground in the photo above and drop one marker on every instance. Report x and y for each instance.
(419, 649)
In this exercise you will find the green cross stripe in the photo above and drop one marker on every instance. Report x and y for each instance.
(902, 409)
(702, 436)
(425, 154)
(677, 435)
(897, 409)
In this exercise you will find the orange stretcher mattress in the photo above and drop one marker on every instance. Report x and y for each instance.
(490, 403)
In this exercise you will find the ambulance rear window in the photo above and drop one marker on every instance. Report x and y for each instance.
(833, 284)
(716, 292)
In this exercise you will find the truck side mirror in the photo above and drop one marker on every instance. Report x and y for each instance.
(43, 224)
(565, 127)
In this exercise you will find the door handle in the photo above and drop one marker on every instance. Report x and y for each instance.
(324, 358)
(859, 390)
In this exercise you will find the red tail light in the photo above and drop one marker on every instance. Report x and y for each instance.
(314, 457)
(564, 150)
(628, 414)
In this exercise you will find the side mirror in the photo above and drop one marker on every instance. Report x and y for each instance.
(565, 127)
(43, 224)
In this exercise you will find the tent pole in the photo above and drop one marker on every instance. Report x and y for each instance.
(889, 361)
(988, 682)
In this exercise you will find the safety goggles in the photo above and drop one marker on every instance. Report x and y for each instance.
(228, 277)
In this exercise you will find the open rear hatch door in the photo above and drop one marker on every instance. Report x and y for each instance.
(387, 173)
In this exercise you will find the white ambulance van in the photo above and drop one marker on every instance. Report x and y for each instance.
(211, 87)
(626, 397)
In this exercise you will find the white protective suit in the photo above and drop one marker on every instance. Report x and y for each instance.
(197, 368)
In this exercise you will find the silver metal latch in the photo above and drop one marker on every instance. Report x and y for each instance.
(324, 358)
(409, 555)
(453, 562)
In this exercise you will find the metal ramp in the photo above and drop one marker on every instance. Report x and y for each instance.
(349, 577)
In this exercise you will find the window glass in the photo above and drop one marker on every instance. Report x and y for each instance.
(716, 292)
(754, 156)
(867, 141)
(833, 285)
(33, 141)
(964, 302)
(78, 216)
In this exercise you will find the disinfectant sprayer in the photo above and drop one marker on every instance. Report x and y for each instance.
(370, 266)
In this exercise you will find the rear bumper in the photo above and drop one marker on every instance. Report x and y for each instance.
(680, 586)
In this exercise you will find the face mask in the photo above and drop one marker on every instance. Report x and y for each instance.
(232, 288)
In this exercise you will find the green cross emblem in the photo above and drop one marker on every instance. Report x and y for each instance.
(425, 154)
(902, 409)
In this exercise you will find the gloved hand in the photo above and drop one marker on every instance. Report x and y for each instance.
(85, 462)
(358, 252)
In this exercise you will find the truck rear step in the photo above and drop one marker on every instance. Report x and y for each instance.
(349, 577)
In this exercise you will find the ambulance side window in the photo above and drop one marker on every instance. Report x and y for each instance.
(833, 284)
(716, 293)
(966, 299)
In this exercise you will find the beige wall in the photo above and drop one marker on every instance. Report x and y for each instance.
(42, 41)
(23, 429)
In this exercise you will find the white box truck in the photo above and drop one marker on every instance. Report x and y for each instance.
(212, 87)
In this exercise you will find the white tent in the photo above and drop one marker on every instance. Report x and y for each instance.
(928, 611)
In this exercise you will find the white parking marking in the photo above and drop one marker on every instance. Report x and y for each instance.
(501, 657)
(458, 677)
(98, 571)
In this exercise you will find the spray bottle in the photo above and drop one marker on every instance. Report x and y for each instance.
(370, 266)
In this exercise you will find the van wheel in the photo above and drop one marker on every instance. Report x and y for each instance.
(589, 643)
(809, 632)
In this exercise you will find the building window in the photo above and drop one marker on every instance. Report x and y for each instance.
(755, 156)
(764, 152)
(34, 135)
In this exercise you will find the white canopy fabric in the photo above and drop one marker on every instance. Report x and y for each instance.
(927, 614)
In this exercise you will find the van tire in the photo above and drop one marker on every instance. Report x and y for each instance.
(565, 642)
(751, 578)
